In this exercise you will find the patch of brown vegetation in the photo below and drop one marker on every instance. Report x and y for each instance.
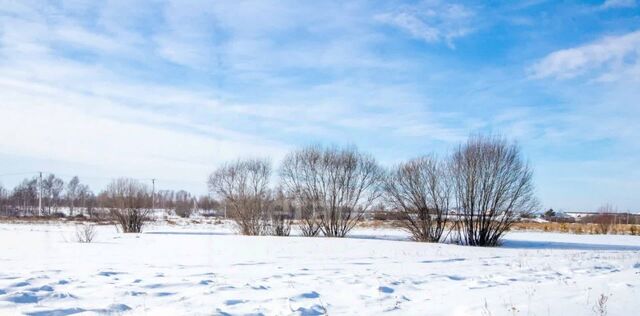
(577, 228)
(52, 220)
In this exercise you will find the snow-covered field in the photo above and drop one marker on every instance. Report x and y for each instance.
(205, 270)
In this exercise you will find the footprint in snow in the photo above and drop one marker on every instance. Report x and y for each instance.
(23, 298)
(314, 310)
(62, 295)
(444, 260)
(308, 295)
(21, 284)
(44, 288)
(62, 311)
(233, 302)
(386, 289)
(109, 273)
(455, 277)
(312, 294)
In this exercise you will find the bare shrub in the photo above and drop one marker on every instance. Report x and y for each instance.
(85, 233)
(281, 215)
(299, 175)
(128, 203)
(333, 187)
(184, 204)
(420, 191)
(243, 188)
(605, 220)
(492, 185)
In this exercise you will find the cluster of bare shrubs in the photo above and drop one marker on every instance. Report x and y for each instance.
(493, 186)
(331, 187)
(420, 191)
(475, 195)
(326, 189)
(243, 187)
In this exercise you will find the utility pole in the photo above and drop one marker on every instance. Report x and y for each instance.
(153, 194)
(40, 195)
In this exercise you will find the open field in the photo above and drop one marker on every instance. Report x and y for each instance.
(205, 269)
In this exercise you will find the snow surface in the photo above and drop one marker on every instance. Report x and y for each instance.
(207, 270)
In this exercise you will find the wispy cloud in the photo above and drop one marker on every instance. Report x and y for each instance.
(607, 57)
(433, 21)
(609, 4)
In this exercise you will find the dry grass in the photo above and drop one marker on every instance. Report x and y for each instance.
(577, 228)
(378, 224)
(574, 228)
(52, 220)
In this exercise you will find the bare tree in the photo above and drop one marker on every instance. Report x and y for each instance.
(72, 193)
(492, 186)
(52, 188)
(128, 202)
(4, 200)
(300, 175)
(243, 187)
(333, 187)
(208, 203)
(85, 199)
(420, 191)
(24, 198)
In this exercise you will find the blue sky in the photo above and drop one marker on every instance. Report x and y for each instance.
(170, 89)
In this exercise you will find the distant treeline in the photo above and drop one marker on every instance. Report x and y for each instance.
(74, 198)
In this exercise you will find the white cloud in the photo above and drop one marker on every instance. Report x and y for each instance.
(43, 121)
(432, 21)
(608, 57)
(88, 113)
(609, 4)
